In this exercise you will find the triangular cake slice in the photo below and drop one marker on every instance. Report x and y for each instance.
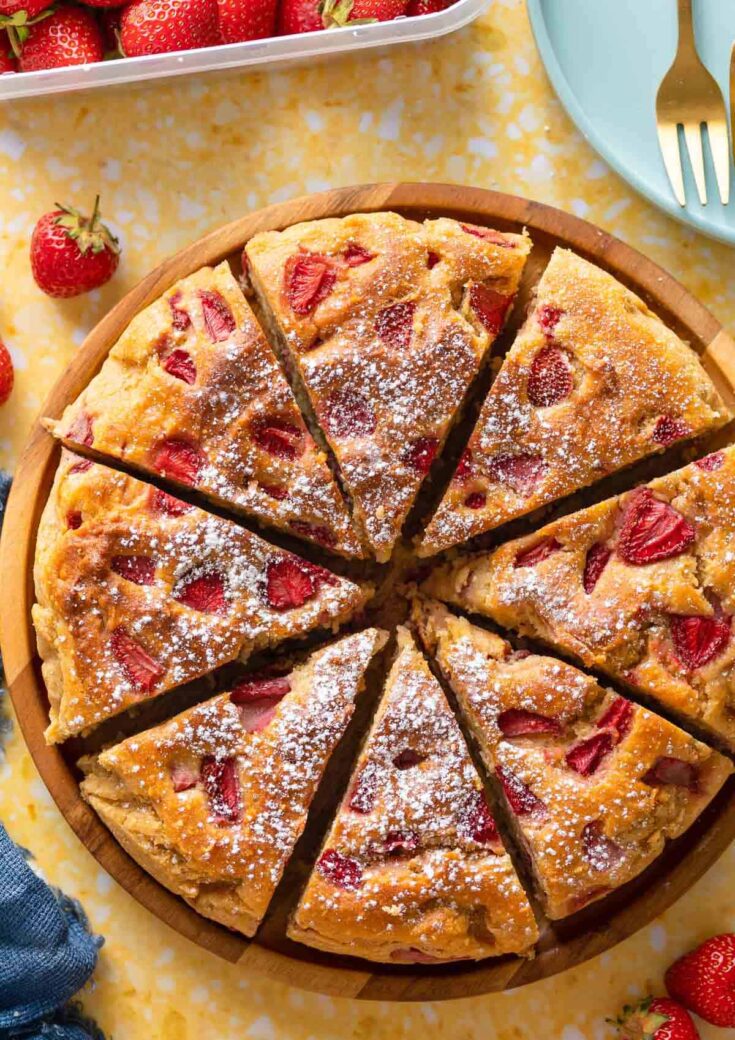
(192, 391)
(386, 322)
(594, 784)
(593, 382)
(139, 592)
(413, 869)
(212, 802)
(641, 586)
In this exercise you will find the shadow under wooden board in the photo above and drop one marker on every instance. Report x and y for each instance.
(564, 944)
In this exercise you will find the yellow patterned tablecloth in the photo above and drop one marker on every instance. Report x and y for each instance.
(173, 161)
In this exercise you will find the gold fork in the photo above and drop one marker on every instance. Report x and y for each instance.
(690, 96)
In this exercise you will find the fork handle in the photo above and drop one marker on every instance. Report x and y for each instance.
(686, 24)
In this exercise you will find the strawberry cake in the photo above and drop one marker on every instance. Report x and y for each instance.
(413, 869)
(192, 392)
(212, 802)
(138, 592)
(640, 586)
(593, 784)
(385, 323)
(593, 382)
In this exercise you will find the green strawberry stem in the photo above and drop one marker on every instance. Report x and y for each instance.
(16, 26)
(89, 233)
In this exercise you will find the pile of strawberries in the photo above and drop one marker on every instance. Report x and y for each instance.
(703, 982)
(40, 34)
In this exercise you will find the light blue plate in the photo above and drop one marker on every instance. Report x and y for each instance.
(606, 59)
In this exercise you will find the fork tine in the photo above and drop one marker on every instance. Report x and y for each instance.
(693, 138)
(720, 147)
(668, 139)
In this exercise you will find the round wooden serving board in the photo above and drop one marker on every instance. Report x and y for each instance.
(593, 930)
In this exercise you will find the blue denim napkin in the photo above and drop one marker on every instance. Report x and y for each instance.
(47, 953)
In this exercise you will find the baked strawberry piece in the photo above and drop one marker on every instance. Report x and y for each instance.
(593, 382)
(212, 802)
(193, 392)
(413, 869)
(594, 784)
(386, 322)
(138, 592)
(640, 586)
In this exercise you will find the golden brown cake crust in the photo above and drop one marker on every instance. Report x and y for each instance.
(213, 802)
(413, 868)
(593, 382)
(138, 592)
(192, 390)
(610, 782)
(665, 626)
(397, 300)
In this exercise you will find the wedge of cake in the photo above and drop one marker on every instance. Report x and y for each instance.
(593, 382)
(385, 322)
(193, 392)
(641, 586)
(413, 869)
(138, 592)
(594, 784)
(212, 802)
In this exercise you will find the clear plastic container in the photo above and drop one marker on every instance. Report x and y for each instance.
(276, 52)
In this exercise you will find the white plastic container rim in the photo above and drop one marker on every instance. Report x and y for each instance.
(279, 50)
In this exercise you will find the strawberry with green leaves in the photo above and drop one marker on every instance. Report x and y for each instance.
(656, 1018)
(16, 16)
(300, 16)
(68, 36)
(71, 253)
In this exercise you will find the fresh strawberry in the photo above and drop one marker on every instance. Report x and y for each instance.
(246, 19)
(7, 376)
(205, 593)
(308, 279)
(16, 18)
(699, 640)
(341, 12)
(289, 583)
(538, 552)
(139, 569)
(340, 870)
(222, 784)
(597, 560)
(394, 325)
(278, 437)
(521, 798)
(160, 26)
(704, 980)
(31, 8)
(421, 453)
(518, 722)
(70, 253)
(299, 16)
(109, 19)
(490, 306)
(586, 757)
(522, 472)
(219, 320)
(70, 36)
(652, 530)
(8, 61)
(656, 1018)
(139, 667)
(349, 414)
(550, 378)
(428, 6)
